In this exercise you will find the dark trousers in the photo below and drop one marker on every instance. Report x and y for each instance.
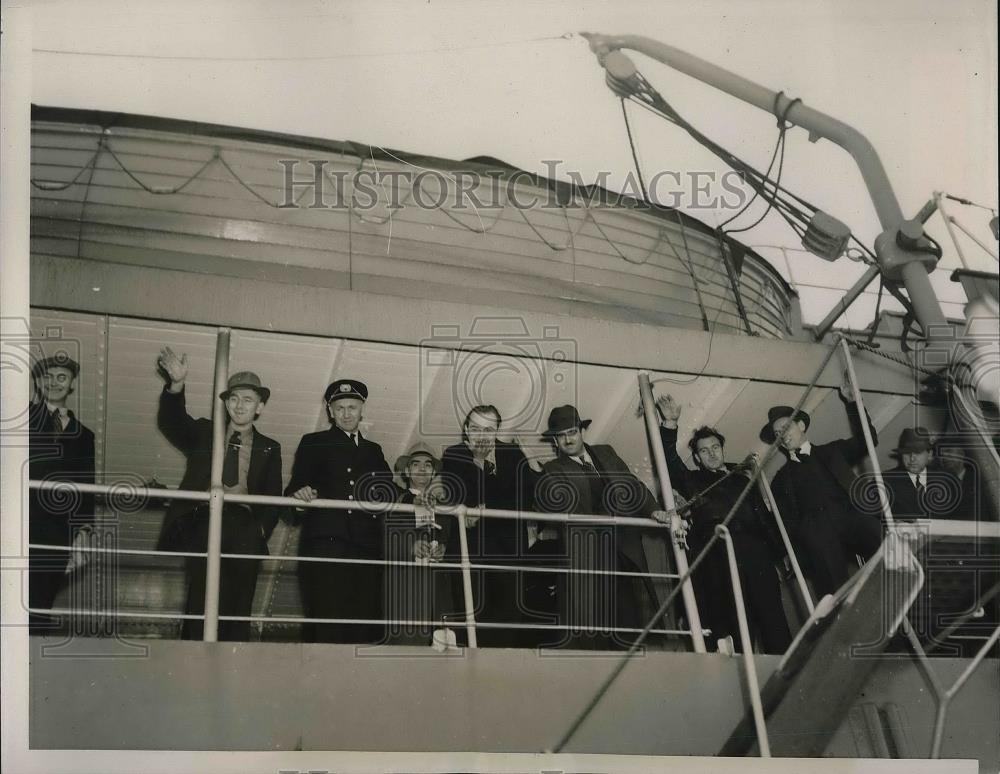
(237, 577)
(46, 575)
(713, 590)
(829, 541)
(592, 604)
(332, 590)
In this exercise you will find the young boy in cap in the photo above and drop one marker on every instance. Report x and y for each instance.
(340, 464)
(816, 494)
(252, 465)
(60, 449)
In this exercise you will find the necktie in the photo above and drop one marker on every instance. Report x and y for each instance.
(587, 466)
(231, 463)
(57, 423)
(354, 438)
(489, 468)
(921, 493)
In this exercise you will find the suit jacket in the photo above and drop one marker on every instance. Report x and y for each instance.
(511, 487)
(193, 437)
(565, 488)
(331, 463)
(943, 497)
(753, 517)
(58, 455)
(838, 458)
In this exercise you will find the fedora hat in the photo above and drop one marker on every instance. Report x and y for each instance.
(563, 418)
(913, 439)
(780, 412)
(245, 380)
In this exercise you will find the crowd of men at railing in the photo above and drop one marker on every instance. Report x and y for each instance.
(390, 574)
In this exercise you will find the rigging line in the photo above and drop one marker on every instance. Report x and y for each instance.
(159, 190)
(249, 188)
(727, 156)
(638, 262)
(321, 58)
(770, 200)
(774, 155)
(388, 243)
(635, 153)
(482, 227)
(54, 186)
(694, 279)
(968, 203)
(877, 320)
(678, 585)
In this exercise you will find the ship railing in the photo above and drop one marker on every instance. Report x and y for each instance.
(463, 516)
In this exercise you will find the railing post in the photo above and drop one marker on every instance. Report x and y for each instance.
(753, 687)
(765, 489)
(215, 501)
(653, 430)
(470, 615)
(869, 443)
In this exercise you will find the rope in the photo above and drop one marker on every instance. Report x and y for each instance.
(633, 649)
(159, 189)
(47, 186)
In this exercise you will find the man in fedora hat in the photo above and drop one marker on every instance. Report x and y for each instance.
(484, 470)
(60, 449)
(816, 495)
(918, 488)
(339, 463)
(251, 465)
(586, 479)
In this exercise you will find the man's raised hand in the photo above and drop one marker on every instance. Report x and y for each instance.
(176, 368)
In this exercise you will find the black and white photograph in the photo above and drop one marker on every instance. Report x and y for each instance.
(439, 386)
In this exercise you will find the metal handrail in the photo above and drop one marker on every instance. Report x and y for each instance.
(749, 665)
(667, 491)
(883, 494)
(765, 488)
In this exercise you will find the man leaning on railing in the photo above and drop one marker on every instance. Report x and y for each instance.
(252, 465)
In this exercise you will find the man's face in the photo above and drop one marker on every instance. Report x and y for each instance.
(420, 471)
(915, 461)
(709, 453)
(56, 384)
(481, 432)
(791, 435)
(571, 442)
(346, 413)
(243, 406)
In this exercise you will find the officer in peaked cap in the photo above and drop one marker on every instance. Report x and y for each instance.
(339, 463)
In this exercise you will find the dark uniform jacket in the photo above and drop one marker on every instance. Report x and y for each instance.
(752, 517)
(833, 493)
(567, 488)
(511, 487)
(58, 455)
(193, 437)
(331, 463)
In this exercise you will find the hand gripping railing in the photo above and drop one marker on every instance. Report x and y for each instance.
(460, 512)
